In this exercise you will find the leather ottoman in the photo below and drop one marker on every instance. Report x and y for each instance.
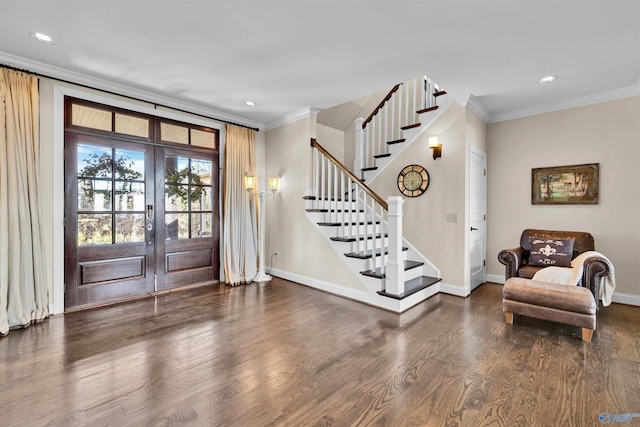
(572, 305)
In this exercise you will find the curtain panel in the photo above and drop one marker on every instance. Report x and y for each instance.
(240, 234)
(24, 295)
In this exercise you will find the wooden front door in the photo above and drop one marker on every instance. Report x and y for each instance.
(141, 215)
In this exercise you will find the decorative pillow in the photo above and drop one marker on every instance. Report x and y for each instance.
(550, 252)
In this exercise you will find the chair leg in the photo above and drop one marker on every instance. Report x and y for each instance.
(586, 334)
(508, 317)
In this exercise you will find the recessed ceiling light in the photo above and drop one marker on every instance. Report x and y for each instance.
(42, 38)
(250, 104)
(547, 79)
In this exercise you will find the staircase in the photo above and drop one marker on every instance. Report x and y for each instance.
(367, 231)
(404, 113)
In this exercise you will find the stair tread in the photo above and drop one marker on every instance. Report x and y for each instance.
(322, 210)
(369, 253)
(380, 156)
(440, 93)
(397, 141)
(412, 286)
(427, 109)
(377, 273)
(415, 125)
(332, 199)
(355, 239)
(339, 224)
(370, 168)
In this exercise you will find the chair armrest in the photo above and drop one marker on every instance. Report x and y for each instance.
(594, 269)
(512, 259)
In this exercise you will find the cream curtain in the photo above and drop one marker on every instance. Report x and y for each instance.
(23, 286)
(240, 237)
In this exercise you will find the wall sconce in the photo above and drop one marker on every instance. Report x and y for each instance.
(435, 146)
(274, 184)
(250, 183)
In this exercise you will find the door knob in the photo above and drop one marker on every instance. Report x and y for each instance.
(474, 229)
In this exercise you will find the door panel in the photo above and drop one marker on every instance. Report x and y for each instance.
(108, 183)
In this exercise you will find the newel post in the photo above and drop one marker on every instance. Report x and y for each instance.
(395, 265)
(359, 157)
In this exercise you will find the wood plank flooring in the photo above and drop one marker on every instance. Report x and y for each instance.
(282, 354)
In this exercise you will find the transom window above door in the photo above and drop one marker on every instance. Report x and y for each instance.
(107, 119)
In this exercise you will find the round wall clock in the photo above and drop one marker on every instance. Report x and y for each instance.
(413, 180)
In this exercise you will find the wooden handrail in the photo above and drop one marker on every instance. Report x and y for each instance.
(350, 174)
(386, 98)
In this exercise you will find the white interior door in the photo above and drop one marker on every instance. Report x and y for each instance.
(477, 217)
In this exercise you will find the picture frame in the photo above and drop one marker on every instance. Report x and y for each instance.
(566, 185)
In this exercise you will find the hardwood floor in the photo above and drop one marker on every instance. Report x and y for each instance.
(284, 354)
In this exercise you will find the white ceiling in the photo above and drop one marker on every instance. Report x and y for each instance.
(288, 55)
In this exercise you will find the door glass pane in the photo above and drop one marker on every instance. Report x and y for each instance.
(129, 164)
(200, 225)
(176, 226)
(130, 228)
(176, 197)
(200, 198)
(176, 170)
(94, 229)
(94, 161)
(129, 196)
(132, 125)
(201, 172)
(94, 195)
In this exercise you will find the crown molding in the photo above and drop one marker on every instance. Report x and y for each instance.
(565, 105)
(292, 117)
(472, 103)
(97, 83)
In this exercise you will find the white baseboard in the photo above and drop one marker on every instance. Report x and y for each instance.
(459, 291)
(495, 278)
(628, 299)
(331, 288)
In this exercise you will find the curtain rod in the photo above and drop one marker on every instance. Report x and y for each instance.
(156, 105)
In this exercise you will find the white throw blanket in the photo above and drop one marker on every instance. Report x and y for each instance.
(571, 275)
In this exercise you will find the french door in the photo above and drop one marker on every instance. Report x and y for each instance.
(139, 218)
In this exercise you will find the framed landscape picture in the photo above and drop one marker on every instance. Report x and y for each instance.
(565, 185)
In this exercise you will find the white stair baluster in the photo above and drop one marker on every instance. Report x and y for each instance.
(394, 100)
(336, 195)
(407, 95)
(356, 219)
(414, 107)
(314, 177)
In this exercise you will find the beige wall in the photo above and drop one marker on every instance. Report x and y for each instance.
(607, 133)
(303, 251)
(333, 141)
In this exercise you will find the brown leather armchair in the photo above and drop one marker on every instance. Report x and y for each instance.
(516, 259)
